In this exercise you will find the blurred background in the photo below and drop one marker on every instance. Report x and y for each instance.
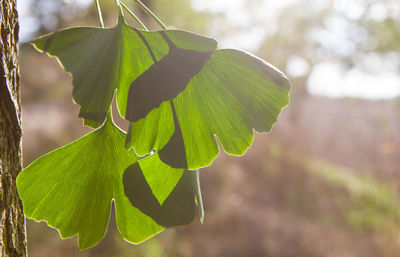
(324, 183)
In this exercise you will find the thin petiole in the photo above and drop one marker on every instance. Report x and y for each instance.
(133, 15)
(120, 7)
(99, 13)
(151, 14)
(197, 190)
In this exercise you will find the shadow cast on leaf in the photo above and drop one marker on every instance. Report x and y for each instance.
(179, 207)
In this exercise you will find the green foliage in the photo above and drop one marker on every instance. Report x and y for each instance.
(72, 187)
(372, 205)
(105, 60)
(233, 94)
(179, 92)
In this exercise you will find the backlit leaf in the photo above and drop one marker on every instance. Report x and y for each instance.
(72, 188)
(233, 94)
(103, 60)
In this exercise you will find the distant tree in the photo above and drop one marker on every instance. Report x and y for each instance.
(12, 221)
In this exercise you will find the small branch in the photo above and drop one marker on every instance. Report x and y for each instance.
(151, 14)
(133, 15)
(99, 13)
(199, 198)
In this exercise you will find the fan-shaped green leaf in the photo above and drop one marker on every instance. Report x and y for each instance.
(72, 188)
(234, 93)
(103, 60)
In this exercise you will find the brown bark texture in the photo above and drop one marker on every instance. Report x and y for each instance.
(12, 221)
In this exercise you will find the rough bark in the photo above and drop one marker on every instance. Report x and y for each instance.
(12, 221)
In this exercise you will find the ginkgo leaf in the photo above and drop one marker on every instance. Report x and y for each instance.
(233, 94)
(103, 60)
(72, 188)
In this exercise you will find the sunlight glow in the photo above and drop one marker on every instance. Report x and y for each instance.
(246, 24)
(329, 79)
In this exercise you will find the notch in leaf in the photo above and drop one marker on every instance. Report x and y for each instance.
(233, 94)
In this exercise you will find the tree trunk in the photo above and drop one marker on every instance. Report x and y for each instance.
(12, 221)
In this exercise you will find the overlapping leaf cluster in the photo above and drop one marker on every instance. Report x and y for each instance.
(179, 92)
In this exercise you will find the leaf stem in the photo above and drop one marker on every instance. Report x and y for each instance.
(96, 2)
(151, 14)
(133, 15)
(199, 198)
(120, 7)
